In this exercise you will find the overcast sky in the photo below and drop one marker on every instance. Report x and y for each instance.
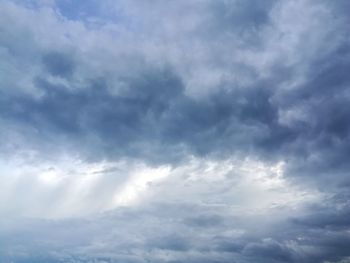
(179, 131)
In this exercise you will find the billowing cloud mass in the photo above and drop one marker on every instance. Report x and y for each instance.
(175, 131)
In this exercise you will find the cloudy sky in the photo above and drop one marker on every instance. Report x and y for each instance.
(202, 131)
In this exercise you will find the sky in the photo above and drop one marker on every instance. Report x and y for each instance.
(163, 131)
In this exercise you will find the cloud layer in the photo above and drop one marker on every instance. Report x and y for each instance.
(174, 131)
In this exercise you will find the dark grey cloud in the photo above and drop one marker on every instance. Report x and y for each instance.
(151, 108)
(58, 64)
(245, 19)
(158, 234)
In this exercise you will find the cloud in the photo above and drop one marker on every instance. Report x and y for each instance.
(58, 64)
(158, 233)
(212, 131)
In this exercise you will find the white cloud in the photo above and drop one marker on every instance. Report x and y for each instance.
(67, 186)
